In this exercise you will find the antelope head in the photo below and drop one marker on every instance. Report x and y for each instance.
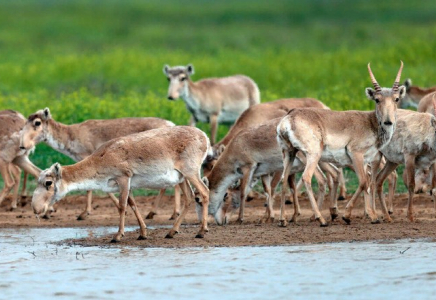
(35, 129)
(178, 78)
(46, 192)
(386, 100)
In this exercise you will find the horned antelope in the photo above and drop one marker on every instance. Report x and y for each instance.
(211, 100)
(156, 159)
(78, 141)
(414, 94)
(253, 152)
(414, 145)
(12, 158)
(261, 113)
(344, 138)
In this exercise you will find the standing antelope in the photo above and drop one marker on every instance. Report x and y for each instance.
(12, 157)
(414, 145)
(414, 94)
(261, 113)
(253, 152)
(344, 138)
(78, 141)
(156, 159)
(211, 100)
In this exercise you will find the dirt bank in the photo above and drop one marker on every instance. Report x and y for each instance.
(248, 234)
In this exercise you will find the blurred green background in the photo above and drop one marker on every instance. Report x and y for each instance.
(104, 59)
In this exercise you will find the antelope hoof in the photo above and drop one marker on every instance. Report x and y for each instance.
(82, 216)
(283, 223)
(391, 212)
(141, 238)
(150, 215)
(46, 216)
(12, 208)
(377, 221)
(174, 216)
(200, 235)
(334, 216)
(239, 221)
(117, 237)
(341, 198)
(288, 202)
(171, 234)
(294, 219)
(324, 224)
(347, 220)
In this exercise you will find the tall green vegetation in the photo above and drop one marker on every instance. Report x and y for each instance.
(104, 59)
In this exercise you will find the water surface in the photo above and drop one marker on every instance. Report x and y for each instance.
(31, 266)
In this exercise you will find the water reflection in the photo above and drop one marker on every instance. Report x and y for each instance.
(31, 266)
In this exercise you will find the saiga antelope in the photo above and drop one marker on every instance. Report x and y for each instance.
(211, 100)
(253, 152)
(261, 113)
(12, 158)
(344, 138)
(155, 159)
(414, 94)
(414, 145)
(78, 141)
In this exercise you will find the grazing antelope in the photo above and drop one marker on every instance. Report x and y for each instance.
(414, 145)
(156, 159)
(78, 141)
(261, 113)
(211, 100)
(344, 138)
(414, 94)
(253, 152)
(12, 158)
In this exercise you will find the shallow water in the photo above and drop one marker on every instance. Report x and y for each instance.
(30, 266)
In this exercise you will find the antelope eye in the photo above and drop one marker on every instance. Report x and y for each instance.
(183, 79)
(37, 123)
(397, 99)
(377, 101)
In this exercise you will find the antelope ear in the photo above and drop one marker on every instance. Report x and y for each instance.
(190, 69)
(221, 149)
(57, 170)
(165, 69)
(205, 181)
(370, 93)
(46, 114)
(402, 90)
(408, 84)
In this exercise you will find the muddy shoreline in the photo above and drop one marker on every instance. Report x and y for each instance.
(251, 233)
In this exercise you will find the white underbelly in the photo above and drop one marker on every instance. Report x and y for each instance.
(162, 180)
(339, 157)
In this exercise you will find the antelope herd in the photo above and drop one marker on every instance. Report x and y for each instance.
(270, 141)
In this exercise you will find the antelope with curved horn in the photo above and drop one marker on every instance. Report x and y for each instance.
(414, 94)
(414, 145)
(211, 100)
(78, 141)
(344, 138)
(157, 159)
(12, 158)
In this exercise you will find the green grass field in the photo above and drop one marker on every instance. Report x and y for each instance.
(104, 59)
